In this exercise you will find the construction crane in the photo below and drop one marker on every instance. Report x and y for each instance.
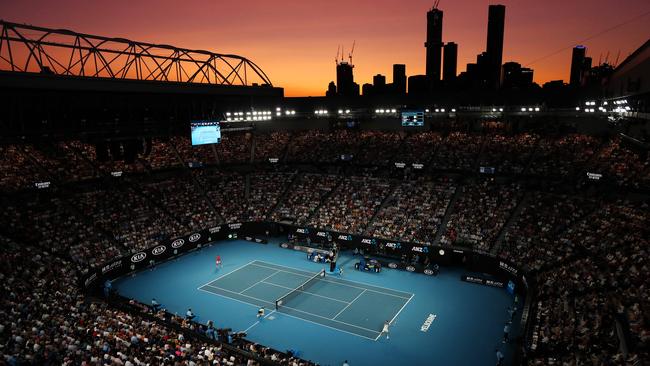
(351, 52)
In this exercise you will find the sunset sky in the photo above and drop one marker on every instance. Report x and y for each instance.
(295, 41)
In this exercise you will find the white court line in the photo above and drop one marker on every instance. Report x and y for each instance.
(258, 282)
(232, 298)
(330, 319)
(305, 292)
(302, 311)
(227, 274)
(257, 322)
(340, 282)
(289, 315)
(237, 293)
(355, 299)
(400, 310)
(337, 282)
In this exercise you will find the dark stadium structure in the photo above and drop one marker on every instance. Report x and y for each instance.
(100, 181)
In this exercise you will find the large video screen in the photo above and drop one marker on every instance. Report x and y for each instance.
(412, 118)
(205, 132)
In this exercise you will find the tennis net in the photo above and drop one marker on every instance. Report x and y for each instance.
(293, 293)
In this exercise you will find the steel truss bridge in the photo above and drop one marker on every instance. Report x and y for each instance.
(26, 48)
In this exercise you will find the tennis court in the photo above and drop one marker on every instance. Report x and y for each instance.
(351, 307)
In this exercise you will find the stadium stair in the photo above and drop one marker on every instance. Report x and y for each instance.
(324, 199)
(386, 200)
(284, 194)
(445, 219)
(523, 202)
(197, 185)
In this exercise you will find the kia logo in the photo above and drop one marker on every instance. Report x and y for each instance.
(194, 237)
(159, 250)
(410, 268)
(392, 265)
(178, 243)
(139, 257)
(428, 272)
(310, 250)
(285, 245)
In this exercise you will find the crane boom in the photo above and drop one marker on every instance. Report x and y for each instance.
(351, 52)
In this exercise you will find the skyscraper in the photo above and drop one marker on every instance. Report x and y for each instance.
(450, 61)
(399, 79)
(577, 65)
(434, 44)
(496, 25)
(345, 84)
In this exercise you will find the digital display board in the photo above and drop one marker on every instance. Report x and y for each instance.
(205, 132)
(412, 118)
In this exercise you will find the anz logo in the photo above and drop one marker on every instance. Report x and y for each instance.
(194, 237)
(345, 237)
(369, 241)
(178, 243)
(159, 250)
(420, 249)
(302, 231)
(138, 257)
(321, 233)
(394, 245)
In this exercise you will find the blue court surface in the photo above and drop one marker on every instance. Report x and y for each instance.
(328, 319)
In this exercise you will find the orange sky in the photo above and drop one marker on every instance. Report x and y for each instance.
(295, 41)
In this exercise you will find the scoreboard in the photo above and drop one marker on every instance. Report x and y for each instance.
(412, 118)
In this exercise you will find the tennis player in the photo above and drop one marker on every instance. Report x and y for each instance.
(385, 330)
(218, 261)
(260, 313)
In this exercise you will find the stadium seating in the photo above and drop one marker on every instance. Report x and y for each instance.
(586, 248)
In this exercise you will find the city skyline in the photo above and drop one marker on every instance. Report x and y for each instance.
(295, 42)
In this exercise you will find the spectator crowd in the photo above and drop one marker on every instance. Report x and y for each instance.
(588, 251)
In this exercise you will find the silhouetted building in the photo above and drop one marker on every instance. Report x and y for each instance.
(399, 79)
(418, 85)
(434, 44)
(449, 65)
(345, 84)
(597, 76)
(379, 81)
(331, 89)
(367, 89)
(515, 76)
(577, 65)
(494, 51)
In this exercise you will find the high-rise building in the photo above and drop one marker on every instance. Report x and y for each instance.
(379, 81)
(399, 79)
(345, 84)
(418, 85)
(515, 76)
(577, 65)
(449, 64)
(494, 51)
(331, 90)
(434, 44)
